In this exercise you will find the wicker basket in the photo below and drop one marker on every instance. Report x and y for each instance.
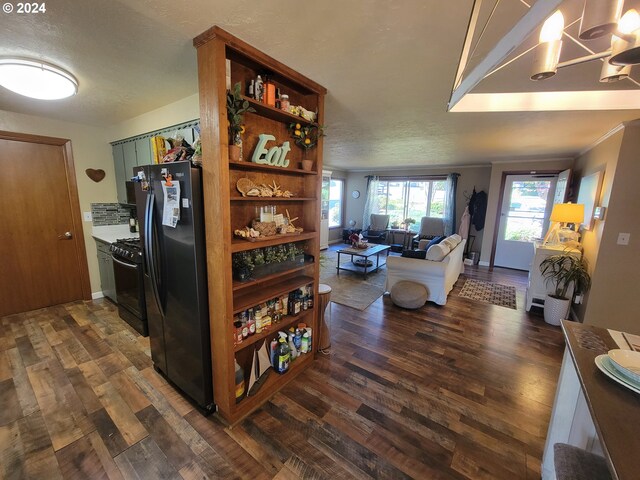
(266, 229)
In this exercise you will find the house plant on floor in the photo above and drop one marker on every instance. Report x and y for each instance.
(563, 270)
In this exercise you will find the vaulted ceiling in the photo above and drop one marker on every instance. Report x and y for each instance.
(389, 67)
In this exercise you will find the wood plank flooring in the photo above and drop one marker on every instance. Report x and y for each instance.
(462, 391)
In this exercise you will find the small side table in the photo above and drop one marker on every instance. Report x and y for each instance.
(399, 239)
(324, 323)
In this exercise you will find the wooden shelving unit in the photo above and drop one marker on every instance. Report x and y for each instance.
(226, 210)
(271, 199)
(257, 282)
(279, 170)
(240, 245)
(283, 325)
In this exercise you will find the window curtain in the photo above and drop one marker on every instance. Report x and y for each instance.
(450, 203)
(372, 203)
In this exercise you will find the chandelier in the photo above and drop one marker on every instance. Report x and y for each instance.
(599, 18)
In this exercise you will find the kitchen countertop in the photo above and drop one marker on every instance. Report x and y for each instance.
(614, 409)
(111, 233)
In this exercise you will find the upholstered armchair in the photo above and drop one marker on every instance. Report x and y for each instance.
(377, 231)
(430, 227)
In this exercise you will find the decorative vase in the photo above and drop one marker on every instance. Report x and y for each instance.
(234, 153)
(307, 164)
(555, 309)
(235, 149)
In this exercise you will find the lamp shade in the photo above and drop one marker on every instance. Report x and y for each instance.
(599, 18)
(568, 213)
(547, 53)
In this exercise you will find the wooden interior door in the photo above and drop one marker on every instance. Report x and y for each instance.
(41, 240)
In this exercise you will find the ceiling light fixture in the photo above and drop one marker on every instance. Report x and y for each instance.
(599, 18)
(36, 79)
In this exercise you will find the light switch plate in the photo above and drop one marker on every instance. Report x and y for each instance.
(623, 238)
(87, 216)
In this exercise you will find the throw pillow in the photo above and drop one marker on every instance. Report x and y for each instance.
(435, 241)
(449, 242)
(437, 252)
(414, 254)
(457, 237)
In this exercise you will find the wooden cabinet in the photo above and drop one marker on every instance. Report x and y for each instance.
(105, 264)
(226, 210)
(537, 288)
(136, 151)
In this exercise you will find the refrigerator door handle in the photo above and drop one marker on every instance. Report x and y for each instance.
(149, 251)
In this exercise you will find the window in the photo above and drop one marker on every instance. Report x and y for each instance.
(336, 200)
(415, 199)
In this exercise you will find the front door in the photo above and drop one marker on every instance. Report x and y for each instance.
(41, 240)
(526, 205)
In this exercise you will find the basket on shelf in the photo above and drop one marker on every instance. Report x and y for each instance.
(266, 229)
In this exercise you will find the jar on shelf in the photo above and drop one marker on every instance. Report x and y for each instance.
(284, 102)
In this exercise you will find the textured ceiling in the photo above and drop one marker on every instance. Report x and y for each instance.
(389, 67)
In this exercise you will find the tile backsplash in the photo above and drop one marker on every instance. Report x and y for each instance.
(109, 214)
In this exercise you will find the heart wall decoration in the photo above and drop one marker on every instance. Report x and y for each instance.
(95, 175)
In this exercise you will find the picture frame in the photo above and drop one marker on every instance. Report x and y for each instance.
(589, 195)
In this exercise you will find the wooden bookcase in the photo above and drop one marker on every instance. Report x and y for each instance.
(226, 210)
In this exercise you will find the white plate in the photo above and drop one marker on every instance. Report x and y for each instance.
(626, 362)
(603, 362)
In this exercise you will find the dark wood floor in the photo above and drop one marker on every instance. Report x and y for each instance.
(460, 391)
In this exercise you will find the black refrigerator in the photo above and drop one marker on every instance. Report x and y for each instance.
(175, 277)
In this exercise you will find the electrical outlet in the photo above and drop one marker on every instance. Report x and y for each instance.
(87, 216)
(623, 238)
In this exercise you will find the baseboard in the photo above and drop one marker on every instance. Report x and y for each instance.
(96, 295)
(483, 264)
(332, 242)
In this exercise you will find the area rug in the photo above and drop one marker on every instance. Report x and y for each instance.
(487, 292)
(350, 288)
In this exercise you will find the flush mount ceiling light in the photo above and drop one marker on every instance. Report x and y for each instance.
(36, 79)
(599, 18)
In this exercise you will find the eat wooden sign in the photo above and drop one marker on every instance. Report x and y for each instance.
(276, 156)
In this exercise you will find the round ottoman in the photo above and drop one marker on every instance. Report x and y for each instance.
(408, 294)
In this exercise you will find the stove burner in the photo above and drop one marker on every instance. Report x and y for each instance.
(127, 248)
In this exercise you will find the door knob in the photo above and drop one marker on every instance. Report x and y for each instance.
(65, 236)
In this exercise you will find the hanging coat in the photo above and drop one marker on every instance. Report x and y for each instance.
(478, 209)
(465, 221)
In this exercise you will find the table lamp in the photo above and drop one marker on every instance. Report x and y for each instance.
(561, 215)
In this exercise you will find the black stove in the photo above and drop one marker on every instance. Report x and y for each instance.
(127, 270)
(128, 249)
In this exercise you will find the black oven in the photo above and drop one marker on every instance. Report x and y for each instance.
(129, 280)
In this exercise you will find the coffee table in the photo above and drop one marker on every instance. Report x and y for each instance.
(364, 254)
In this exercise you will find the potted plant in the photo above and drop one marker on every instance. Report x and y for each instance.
(408, 222)
(243, 265)
(236, 108)
(306, 137)
(563, 270)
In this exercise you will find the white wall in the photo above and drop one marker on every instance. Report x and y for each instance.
(613, 301)
(90, 150)
(181, 111)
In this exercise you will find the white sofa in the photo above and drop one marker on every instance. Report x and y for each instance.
(437, 276)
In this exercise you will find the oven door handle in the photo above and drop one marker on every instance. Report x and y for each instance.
(124, 264)
(149, 250)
